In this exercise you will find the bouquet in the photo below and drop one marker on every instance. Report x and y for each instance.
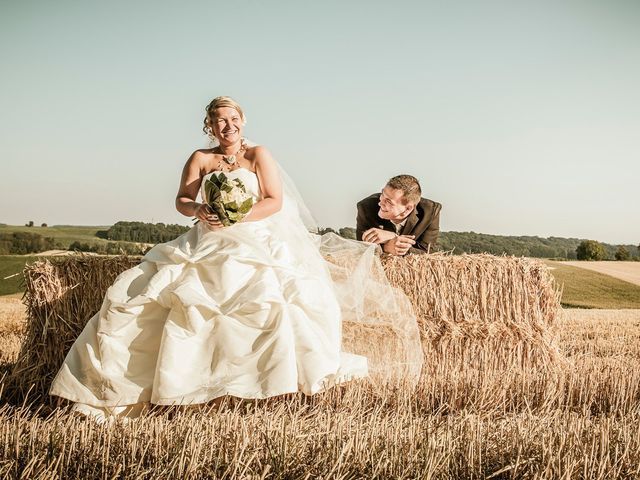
(228, 198)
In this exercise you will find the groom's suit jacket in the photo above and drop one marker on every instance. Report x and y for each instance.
(423, 222)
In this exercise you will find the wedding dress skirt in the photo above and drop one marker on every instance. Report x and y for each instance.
(239, 311)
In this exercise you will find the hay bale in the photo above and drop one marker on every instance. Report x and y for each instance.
(469, 305)
(61, 296)
(470, 308)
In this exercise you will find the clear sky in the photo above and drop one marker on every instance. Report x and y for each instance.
(520, 117)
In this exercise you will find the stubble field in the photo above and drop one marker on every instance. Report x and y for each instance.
(580, 420)
(12, 326)
(627, 271)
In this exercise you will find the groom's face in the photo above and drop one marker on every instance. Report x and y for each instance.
(392, 205)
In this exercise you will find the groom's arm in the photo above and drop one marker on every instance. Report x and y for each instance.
(428, 239)
(365, 219)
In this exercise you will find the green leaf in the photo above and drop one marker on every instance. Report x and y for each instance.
(212, 192)
(235, 217)
(246, 206)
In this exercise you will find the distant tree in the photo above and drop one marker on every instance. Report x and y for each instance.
(323, 230)
(590, 250)
(109, 248)
(82, 247)
(20, 243)
(44, 225)
(30, 224)
(542, 251)
(142, 232)
(348, 232)
(622, 254)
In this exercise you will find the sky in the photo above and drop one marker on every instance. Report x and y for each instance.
(520, 117)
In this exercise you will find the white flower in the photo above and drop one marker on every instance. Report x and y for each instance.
(237, 194)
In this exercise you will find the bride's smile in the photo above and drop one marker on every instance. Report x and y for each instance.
(228, 125)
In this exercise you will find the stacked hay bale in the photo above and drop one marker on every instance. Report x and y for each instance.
(470, 308)
(478, 308)
(61, 296)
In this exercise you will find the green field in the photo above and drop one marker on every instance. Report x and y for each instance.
(9, 266)
(65, 235)
(586, 289)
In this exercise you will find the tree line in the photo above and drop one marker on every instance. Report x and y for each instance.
(143, 232)
(532, 246)
(593, 250)
(125, 237)
(109, 248)
(527, 246)
(21, 243)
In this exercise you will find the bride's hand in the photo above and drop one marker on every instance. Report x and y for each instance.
(204, 214)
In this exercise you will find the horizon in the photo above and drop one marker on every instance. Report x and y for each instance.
(522, 120)
(336, 228)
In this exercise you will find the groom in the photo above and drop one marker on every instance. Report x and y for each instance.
(399, 219)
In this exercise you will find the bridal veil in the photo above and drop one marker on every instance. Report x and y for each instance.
(378, 321)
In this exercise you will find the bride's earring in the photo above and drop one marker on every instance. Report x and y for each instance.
(213, 141)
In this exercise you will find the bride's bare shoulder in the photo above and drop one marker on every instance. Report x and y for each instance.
(203, 154)
(257, 152)
(201, 160)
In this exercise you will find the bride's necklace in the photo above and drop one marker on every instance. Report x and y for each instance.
(231, 160)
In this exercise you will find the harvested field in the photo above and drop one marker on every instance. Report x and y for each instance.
(13, 321)
(477, 418)
(627, 271)
(579, 422)
(602, 333)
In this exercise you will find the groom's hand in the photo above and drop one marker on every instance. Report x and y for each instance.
(377, 235)
(399, 245)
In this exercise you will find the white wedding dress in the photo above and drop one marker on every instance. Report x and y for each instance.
(242, 311)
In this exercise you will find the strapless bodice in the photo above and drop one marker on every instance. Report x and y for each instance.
(249, 179)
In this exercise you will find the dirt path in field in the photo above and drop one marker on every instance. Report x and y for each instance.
(53, 253)
(605, 316)
(627, 271)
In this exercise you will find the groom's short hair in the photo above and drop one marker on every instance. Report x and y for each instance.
(410, 187)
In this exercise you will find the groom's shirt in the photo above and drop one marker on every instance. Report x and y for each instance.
(423, 221)
(399, 226)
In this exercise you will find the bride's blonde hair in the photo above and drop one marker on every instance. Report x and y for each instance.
(220, 102)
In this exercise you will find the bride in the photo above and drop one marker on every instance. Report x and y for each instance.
(250, 310)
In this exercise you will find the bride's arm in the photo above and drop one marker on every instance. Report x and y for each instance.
(188, 191)
(270, 186)
(189, 184)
